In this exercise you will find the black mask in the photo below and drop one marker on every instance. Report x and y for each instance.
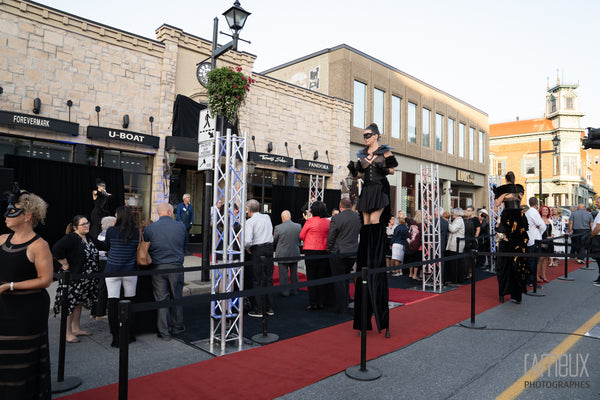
(13, 198)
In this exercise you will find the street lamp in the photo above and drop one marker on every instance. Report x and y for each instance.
(236, 19)
(555, 144)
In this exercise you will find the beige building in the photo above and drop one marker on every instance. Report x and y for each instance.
(423, 124)
(106, 99)
(568, 174)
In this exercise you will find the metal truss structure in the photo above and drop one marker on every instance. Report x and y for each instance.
(430, 227)
(230, 164)
(316, 189)
(493, 181)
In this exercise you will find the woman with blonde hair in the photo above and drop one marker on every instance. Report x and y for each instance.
(25, 273)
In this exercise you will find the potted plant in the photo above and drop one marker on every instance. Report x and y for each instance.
(227, 88)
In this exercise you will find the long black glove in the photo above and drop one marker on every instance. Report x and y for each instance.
(352, 168)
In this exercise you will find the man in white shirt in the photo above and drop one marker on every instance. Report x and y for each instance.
(259, 243)
(536, 228)
(596, 231)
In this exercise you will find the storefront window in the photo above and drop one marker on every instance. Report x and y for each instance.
(137, 179)
(51, 151)
(14, 146)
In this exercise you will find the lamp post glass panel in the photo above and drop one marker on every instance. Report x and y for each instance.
(555, 144)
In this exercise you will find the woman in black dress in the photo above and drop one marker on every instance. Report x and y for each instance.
(375, 162)
(77, 252)
(100, 210)
(512, 271)
(25, 273)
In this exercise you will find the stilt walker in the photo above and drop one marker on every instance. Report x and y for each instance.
(374, 163)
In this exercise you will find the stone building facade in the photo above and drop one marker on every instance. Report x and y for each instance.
(57, 58)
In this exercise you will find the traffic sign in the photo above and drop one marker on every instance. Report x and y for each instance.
(206, 157)
(207, 125)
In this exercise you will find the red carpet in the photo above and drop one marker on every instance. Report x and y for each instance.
(404, 296)
(282, 367)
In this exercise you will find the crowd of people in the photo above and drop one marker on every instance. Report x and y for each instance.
(355, 236)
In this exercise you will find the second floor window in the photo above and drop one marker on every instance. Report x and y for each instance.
(439, 128)
(379, 109)
(426, 127)
(360, 104)
(412, 122)
(396, 116)
(481, 147)
(461, 140)
(450, 136)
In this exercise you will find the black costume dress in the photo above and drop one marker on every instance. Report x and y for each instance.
(83, 259)
(375, 195)
(512, 271)
(99, 211)
(24, 355)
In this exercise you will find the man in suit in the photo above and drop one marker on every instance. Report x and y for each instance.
(343, 238)
(286, 239)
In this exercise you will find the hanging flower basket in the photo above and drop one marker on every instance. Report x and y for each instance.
(227, 88)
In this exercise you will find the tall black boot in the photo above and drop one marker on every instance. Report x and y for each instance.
(362, 260)
(131, 322)
(379, 285)
(113, 320)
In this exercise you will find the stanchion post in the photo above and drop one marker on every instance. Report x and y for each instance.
(124, 327)
(265, 337)
(535, 293)
(566, 275)
(361, 372)
(63, 384)
(472, 324)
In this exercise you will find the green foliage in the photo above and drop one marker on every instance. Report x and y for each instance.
(227, 88)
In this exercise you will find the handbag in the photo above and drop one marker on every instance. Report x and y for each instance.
(142, 256)
(414, 241)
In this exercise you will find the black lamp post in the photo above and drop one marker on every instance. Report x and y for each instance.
(236, 19)
(555, 144)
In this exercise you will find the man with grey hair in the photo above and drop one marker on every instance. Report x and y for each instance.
(167, 238)
(455, 271)
(258, 241)
(286, 239)
(185, 215)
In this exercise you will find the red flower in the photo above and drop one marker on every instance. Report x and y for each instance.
(239, 69)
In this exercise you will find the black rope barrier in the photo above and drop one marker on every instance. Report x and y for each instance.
(361, 372)
(64, 384)
(127, 309)
(472, 324)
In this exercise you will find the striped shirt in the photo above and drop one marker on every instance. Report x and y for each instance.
(121, 255)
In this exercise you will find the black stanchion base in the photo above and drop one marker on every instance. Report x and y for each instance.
(265, 339)
(472, 325)
(69, 383)
(587, 267)
(565, 278)
(369, 374)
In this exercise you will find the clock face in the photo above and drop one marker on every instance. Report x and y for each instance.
(202, 73)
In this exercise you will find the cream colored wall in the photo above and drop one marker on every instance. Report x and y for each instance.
(299, 74)
(59, 57)
(345, 66)
(278, 112)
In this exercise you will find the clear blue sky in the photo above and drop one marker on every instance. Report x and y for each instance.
(495, 55)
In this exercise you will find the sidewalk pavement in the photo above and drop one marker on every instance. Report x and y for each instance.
(455, 363)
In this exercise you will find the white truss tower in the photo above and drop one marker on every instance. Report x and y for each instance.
(317, 189)
(226, 322)
(430, 227)
(493, 181)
